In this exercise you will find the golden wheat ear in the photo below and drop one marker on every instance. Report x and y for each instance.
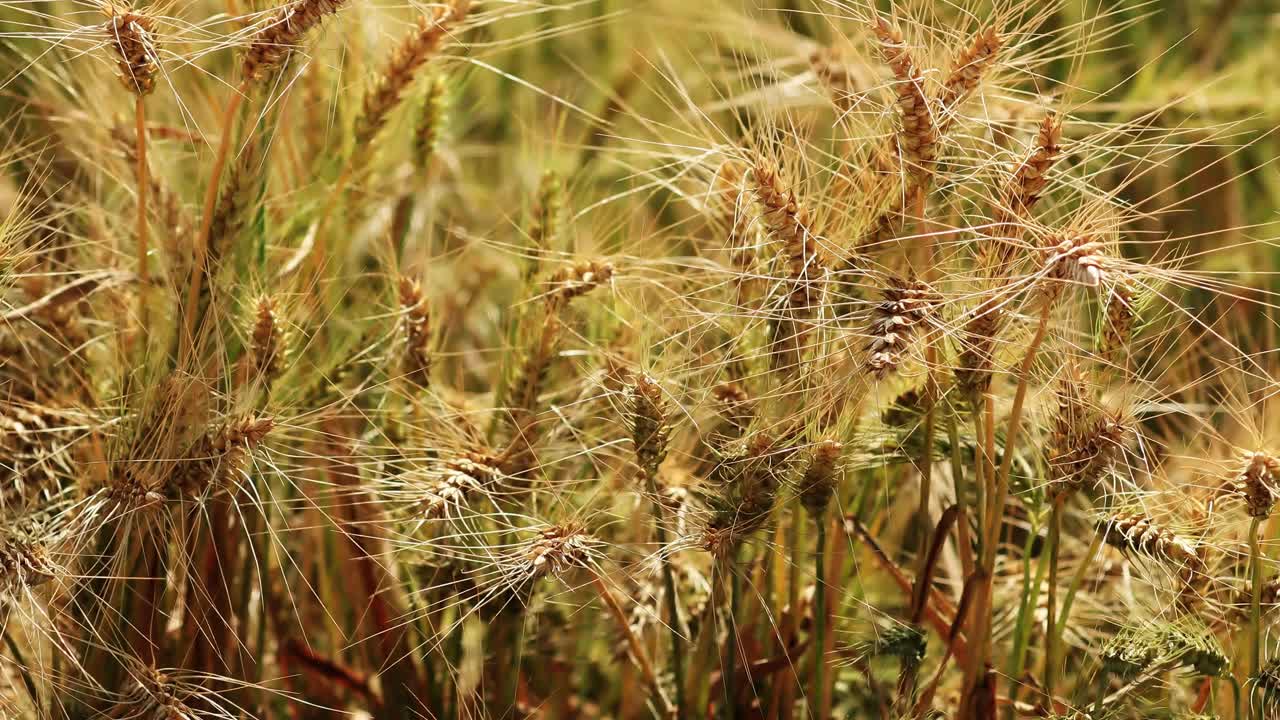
(281, 35)
(918, 135)
(266, 342)
(416, 330)
(132, 35)
(1020, 195)
(414, 51)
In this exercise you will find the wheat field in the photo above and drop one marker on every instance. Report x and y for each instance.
(631, 359)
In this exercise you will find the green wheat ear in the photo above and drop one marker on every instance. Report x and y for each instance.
(907, 643)
(1186, 642)
(1268, 679)
(1128, 652)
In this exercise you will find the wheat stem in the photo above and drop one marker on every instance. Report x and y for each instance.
(206, 217)
(637, 648)
(820, 610)
(995, 504)
(1051, 634)
(1255, 608)
(962, 500)
(1077, 581)
(140, 123)
(673, 606)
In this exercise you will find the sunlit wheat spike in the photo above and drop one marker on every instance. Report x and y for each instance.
(272, 45)
(132, 36)
(969, 68)
(33, 452)
(789, 224)
(415, 326)
(451, 487)
(1139, 534)
(1024, 190)
(25, 562)
(422, 44)
(155, 693)
(1079, 259)
(551, 552)
(266, 342)
(215, 459)
(918, 136)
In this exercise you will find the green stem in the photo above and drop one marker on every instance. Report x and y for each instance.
(1051, 635)
(820, 610)
(731, 662)
(962, 499)
(1076, 581)
(1255, 609)
(673, 609)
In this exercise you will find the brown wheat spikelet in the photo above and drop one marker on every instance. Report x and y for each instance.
(1256, 483)
(894, 321)
(133, 39)
(1024, 189)
(416, 328)
(918, 137)
(25, 562)
(273, 44)
(1079, 259)
(1083, 443)
(266, 342)
(789, 224)
(748, 488)
(649, 428)
(452, 487)
(217, 456)
(1030, 177)
(552, 552)
(979, 340)
(818, 482)
(576, 280)
(1118, 320)
(1140, 534)
(422, 44)
(32, 454)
